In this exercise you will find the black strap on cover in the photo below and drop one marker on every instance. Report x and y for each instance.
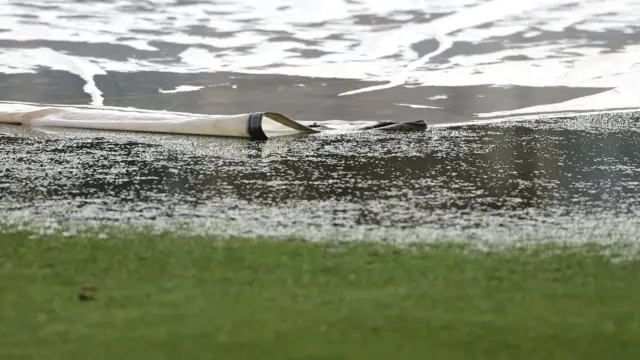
(254, 126)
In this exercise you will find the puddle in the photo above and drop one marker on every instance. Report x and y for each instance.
(571, 179)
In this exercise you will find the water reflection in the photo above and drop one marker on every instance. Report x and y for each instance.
(444, 179)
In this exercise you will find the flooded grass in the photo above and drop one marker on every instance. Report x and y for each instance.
(569, 180)
(166, 296)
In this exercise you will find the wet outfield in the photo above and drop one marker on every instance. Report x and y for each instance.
(566, 179)
(573, 178)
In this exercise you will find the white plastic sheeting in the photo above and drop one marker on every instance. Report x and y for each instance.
(258, 125)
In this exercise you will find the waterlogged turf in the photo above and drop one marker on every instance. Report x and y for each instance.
(557, 200)
(131, 294)
(570, 180)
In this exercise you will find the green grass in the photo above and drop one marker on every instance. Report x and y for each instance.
(173, 297)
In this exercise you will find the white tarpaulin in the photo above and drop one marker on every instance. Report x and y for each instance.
(257, 125)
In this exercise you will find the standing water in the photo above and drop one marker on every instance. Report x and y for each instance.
(511, 156)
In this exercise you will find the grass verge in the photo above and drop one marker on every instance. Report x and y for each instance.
(139, 295)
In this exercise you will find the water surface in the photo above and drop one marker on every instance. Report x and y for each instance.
(572, 178)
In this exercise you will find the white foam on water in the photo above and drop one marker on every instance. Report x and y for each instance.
(523, 43)
(181, 88)
(418, 106)
(31, 59)
(440, 29)
(625, 97)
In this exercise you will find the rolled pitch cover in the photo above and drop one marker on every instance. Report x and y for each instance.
(258, 125)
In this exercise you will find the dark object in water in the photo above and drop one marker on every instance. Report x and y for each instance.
(405, 126)
(387, 126)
